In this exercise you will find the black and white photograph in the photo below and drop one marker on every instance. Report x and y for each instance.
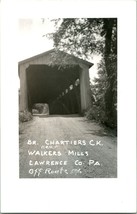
(68, 106)
(68, 99)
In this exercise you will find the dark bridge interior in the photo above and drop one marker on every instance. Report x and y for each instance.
(58, 87)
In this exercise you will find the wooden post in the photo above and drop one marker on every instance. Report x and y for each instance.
(23, 88)
(85, 92)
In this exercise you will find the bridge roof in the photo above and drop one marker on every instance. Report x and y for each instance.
(89, 64)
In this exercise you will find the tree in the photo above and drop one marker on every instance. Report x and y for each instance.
(83, 37)
(99, 90)
(110, 57)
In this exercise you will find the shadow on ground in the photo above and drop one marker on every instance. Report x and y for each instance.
(104, 131)
(64, 116)
(101, 133)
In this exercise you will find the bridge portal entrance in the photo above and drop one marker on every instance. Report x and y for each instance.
(58, 87)
(66, 89)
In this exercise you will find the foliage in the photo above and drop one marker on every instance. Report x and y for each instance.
(82, 37)
(95, 113)
(35, 111)
(99, 90)
(78, 36)
(25, 116)
(39, 107)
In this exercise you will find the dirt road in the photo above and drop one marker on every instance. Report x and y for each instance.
(66, 147)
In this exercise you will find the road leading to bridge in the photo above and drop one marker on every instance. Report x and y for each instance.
(66, 147)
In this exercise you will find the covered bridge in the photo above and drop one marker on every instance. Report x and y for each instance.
(66, 89)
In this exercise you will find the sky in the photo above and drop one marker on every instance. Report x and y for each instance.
(31, 40)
